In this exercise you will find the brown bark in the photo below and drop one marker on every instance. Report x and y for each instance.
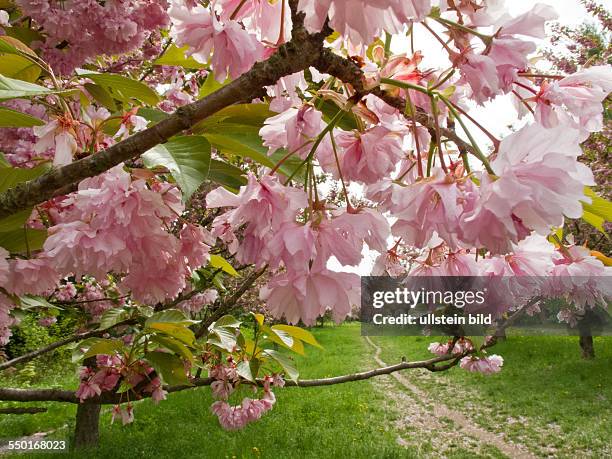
(296, 55)
(87, 428)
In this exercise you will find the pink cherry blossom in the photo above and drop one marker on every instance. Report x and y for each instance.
(125, 413)
(361, 21)
(576, 99)
(480, 73)
(429, 205)
(294, 129)
(306, 296)
(344, 235)
(486, 365)
(365, 157)
(59, 135)
(6, 320)
(196, 303)
(195, 245)
(4, 19)
(36, 276)
(264, 205)
(540, 182)
(235, 50)
(580, 278)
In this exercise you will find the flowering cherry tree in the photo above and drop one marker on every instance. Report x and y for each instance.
(162, 156)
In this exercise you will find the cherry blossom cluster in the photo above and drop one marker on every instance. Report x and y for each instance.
(76, 32)
(250, 410)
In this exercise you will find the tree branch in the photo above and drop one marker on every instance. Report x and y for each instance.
(29, 410)
(349, 72)
(296, 55)
(229, 302)
(58, 395)
(51, 347)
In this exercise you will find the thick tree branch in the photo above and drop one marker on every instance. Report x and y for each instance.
(296, 55)
(58, 395)
(29, 410)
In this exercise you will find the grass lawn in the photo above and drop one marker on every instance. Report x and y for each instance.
(305, 423)
(547, 398)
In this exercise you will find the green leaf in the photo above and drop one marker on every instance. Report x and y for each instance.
(170, 316)
(32, 301)
(599, 206)
(299, 333)
(112, 317)
(595, 221)
(152, 114)
(227, 175)
(253, 115)
(175, 56)
(24, 34)
(187, 159)
(244, 369)
(19, 67)
(13, 118)
(101, 95)
(12, 45)
(285, 362)
(11, 176)
(284, 339)
(14, 89)
(228, 321)
(105, 347)
(79, 349)
(15, 241)
(123, 88)
(219, 262)
(211, 85)
(226, 338)
(15, 221)
(330, 110)
(173, 345)
(240, 140)
(169, 367)
(179, 332)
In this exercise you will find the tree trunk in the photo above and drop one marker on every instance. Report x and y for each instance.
(586, 336)
(586, 344)
(86, 432)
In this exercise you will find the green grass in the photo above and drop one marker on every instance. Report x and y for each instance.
(546, 395)
(305, 423)
(547, 398)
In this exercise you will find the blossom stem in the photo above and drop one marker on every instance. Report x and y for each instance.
(524, 86)
(434, 109)
(437, 37)
(478, 153)
(346, 196)
(330, 126)
(416, 135)
(287, 156)
(541, 75)
(523, 101)
(404, 85)
(451, 72)
(448, 23)
(494, 139)
(281, 34)
(237, 10)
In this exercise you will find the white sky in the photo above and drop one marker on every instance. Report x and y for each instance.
(497, 115)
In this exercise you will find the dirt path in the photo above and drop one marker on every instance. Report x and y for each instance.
(443, 414)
